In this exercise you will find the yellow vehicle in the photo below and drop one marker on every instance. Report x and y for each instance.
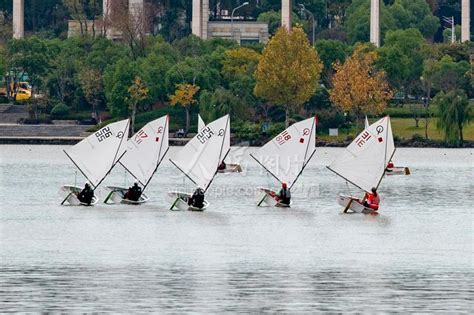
(23, 91)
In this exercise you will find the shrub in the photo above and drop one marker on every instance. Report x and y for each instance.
(59, 111)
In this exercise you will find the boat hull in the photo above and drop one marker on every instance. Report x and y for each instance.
(179, 201)
(355, 205)
(115, 195)
(397, 170)
(69, 193)
(231, 168)
(269, 198)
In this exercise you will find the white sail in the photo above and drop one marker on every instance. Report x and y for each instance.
(366, 123)
(286, 155)
(146, 149)
(364, 161)
(97, 154)
(201, 123)
(202, 155)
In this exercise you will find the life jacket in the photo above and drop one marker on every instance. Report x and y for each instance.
(373, 201)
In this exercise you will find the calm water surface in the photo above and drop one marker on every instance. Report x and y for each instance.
(416, 256)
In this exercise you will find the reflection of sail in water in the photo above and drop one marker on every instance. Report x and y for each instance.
(286, 155)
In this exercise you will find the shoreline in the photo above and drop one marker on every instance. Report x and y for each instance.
(48, 140)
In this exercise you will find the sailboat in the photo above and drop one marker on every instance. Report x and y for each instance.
(95, 156)
(391, 169)
(226, 167)
(199, 160)
(286, 156)
(364, 162)
(145, 151)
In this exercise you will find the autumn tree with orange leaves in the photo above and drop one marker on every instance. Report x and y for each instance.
(184, 96)
(358, 87)
(288, 71)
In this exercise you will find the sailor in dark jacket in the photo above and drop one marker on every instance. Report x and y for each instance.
(86, 195)
(197, 199)
(284, 195)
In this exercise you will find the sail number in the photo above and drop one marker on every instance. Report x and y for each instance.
(140, 136)
(363, 138)
(103, 134)
(205, 135)
(283, 137)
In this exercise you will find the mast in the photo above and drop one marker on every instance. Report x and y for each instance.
(306, 153)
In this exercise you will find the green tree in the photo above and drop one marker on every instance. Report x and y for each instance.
(28, 56)
(454, 114)
(402, 58)
(414, 14)
(196, 71)
(331, 51)
(401, 14)
(357, 24)
(288, 71)
(447, 75)
(117, 79)
(92, 85)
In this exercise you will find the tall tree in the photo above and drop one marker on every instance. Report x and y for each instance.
(138, 92)
(454, 114)
(402, 58)
(357, 85)
(288, 71)
(184, 96)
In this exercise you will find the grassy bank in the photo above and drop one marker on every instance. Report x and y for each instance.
(405, 128)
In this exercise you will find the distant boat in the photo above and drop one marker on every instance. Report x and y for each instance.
(145, 151)
(364, 162)
(391, 168)
(199, 160)
(95, 156)
(286, 156)
(226, 167)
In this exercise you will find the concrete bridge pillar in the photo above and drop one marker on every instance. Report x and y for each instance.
(200, 18)
(465, 21)
(286, 11)
(18, 19)
(375, 22)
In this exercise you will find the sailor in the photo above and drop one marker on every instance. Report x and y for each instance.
(86, 195)
(134, 192)
(372, 200)
(284, 195)
(197, 199)
(222, 166)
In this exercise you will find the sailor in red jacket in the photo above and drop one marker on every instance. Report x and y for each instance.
(372, 200)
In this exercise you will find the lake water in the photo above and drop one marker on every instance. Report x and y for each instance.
(416, 256)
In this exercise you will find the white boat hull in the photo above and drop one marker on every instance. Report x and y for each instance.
(268, 197)
(355, 205)
(69, 193)
(397, 170)
(115, 195)
(179, 201)
(231, 168)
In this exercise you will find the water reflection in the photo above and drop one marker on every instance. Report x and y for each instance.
(234, 289)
